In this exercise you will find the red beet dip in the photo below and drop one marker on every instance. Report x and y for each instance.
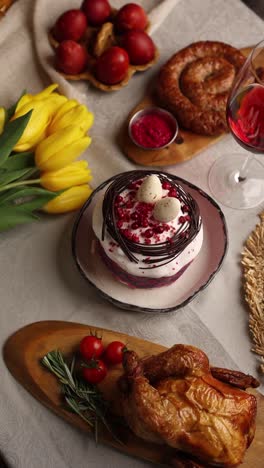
(153, 130)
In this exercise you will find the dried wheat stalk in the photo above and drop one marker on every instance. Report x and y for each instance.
(253, 272)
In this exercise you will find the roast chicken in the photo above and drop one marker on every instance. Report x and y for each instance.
(176, 398)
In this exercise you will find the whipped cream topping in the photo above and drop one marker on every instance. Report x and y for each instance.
(136, 221)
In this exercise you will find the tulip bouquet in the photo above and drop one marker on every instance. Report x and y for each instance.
(41, 136)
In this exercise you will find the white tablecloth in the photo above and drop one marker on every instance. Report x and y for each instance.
(39, 280)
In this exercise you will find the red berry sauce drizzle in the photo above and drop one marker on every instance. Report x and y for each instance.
(132, 226)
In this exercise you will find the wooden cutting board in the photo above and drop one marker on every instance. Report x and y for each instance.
(22, 354)
(173, 154)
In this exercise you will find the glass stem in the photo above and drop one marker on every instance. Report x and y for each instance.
(244, 169)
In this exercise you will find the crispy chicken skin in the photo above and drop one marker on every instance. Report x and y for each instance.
(177, 399)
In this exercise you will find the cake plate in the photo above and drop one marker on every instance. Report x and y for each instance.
(158, 300)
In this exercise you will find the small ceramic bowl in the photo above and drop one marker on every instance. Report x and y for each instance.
(154, 111)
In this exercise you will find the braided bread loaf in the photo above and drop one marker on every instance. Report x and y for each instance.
(194, 84)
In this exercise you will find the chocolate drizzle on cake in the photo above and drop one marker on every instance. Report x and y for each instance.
(159, 253)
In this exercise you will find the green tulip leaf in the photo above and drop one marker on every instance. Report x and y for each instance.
(11, 134)
(9, 176)
(11, 110)
(10, 216)
(18, 161)
(38, 202)
(20, 193)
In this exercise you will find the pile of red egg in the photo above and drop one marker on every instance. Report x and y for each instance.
(133, 45)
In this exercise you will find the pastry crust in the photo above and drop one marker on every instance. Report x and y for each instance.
(194, 84)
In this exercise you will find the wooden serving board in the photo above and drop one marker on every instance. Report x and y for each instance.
(24, 350)
(173, 154)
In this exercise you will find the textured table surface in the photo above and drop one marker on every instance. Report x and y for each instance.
(39, 280)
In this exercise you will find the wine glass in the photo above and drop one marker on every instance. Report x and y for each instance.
(237, 180)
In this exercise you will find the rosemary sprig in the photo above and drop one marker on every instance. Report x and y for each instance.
(84, 399)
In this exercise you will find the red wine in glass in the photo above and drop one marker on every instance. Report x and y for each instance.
(245, 116)
(237, 180)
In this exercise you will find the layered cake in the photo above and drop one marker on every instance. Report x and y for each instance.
(148, 228)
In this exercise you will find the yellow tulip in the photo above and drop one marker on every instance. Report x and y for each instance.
(44, 105)
(76, 173)
(61, 148)
(70, 200)
(36, 97)
(68, 105)
(71, 112)
(2, 119)
(35, 130)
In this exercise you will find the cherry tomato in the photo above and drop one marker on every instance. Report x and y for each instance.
(130, 16)
(91, 347)
(111, 67)
(96, 11)
(71, 57)
(139, 46)
(70, 25)
(96, 373)
(114, 352)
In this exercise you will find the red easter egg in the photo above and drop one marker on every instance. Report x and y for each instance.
(70, 25)
(111, 67)
(131, 16)
(97, 11)
(71, 57)
(139, 46)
